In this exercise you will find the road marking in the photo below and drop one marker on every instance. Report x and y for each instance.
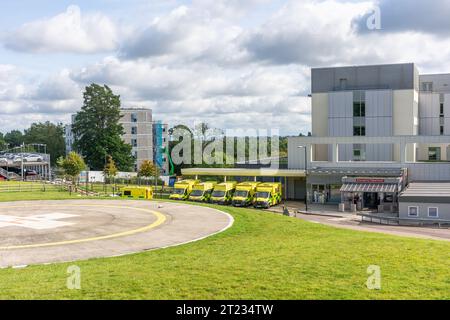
(37, 222)
(160, 219)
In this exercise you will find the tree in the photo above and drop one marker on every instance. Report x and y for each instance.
(110, 169)
(14, 138)
(97, 131)
(50, 134)
(72, 165)
(148, 169)
(3, 145)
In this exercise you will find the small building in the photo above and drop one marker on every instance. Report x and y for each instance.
(379, 193)
(425, 203)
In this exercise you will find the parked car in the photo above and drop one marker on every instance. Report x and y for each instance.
(32, 158)
(30, 173)
(16, 159)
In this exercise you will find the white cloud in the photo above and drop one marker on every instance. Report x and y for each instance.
(205, 62)
(69, 31)
(185, 34)
(305, 32)
(21, 94)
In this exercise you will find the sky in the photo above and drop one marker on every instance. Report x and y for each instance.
(231, 63)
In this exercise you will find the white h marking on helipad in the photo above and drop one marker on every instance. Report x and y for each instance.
(37, 222)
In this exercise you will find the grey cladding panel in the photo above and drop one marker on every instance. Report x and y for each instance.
(379, 152)
(441, 82)
(395, 77)
(340, 127)
(430, 126)
(340, 105)
(447, 105)
(379, 103)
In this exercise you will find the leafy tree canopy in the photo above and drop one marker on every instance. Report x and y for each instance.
(97, 130)
(50, 134)
(14, 138)
(148, 169)
(110, 169)
(72, 165)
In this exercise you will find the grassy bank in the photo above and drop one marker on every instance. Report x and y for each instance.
(263, 256)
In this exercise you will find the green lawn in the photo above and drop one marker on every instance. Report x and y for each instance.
(263, 256)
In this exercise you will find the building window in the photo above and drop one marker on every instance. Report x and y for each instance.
(359, 154)
(427, 86)
(359, 109)
(441, 130)
(434, 154)
(134, 130)
(441, 109)
(433, 212)
(359, 131)
(134, 142)
(133, 117)
(413, 211)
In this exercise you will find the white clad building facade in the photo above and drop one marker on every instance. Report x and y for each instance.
(369, 118)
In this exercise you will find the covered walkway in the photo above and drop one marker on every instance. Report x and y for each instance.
(294, 181)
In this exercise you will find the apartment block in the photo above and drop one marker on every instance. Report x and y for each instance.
(147, 138)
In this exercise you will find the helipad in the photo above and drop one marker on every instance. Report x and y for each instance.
(58, 231)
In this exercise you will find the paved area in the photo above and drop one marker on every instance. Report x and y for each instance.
(326, 214)
(38, 232)
(353, 222)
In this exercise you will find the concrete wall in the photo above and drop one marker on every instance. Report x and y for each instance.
(444, 210)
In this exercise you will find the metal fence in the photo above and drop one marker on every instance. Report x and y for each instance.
(30, 187)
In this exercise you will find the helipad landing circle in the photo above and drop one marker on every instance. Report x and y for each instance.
(59, 231)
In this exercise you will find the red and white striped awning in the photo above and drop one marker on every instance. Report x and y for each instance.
(370, 187)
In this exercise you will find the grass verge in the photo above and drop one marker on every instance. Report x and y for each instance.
(263, 256)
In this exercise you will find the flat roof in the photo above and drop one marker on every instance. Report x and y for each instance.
(237, 172)
(427, 192)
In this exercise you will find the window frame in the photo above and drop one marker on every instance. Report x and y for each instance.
(438, 154)
(359, 131)
(437, 212)
(417, 210)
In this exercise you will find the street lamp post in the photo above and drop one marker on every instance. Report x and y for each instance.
(306, 176)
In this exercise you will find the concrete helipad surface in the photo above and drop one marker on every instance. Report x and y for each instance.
(38, 232)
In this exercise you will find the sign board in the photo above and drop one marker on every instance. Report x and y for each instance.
(361, 180)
